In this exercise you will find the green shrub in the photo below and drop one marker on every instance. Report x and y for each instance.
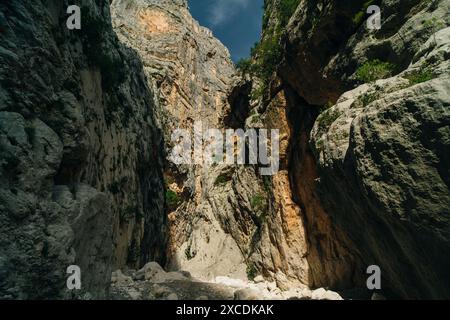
(287, 9)
(327, 118)
(258, 92)
(96, 44)
(420, 76)
(434, 24)
(373, 70)
(260, 207)
(267, 180)
(320, 145)
(258, 202)
(267, 54)
(359, 16)
(245, 66)
(368, 98)
(251, 271)
(173, 200)
(222, 179)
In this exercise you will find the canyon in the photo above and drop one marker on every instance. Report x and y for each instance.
(86, 124)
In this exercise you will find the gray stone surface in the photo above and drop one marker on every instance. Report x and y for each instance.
(80, 175)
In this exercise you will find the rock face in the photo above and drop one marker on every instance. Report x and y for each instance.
(370, 175)
(81, 167)
(230, 221)
(193, 73)
(390, 152)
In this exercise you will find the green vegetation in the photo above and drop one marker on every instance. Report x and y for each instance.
(287, 9)
(373, 70)
(245, 65)
(255, 119)
(251, 271)
(327, 118)
(320, 145)
(267, 180)
(434, 24)
(420, 76)
(258, 92)
(173, 200)
(359, 16)
(258, 202)
(222, 179)
(260, 207)
(368, 98)
(267, 54)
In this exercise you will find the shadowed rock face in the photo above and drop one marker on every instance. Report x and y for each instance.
(80, 174)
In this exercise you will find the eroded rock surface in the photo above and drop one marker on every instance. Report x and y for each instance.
(193, 73)
(371, 168)
(81, 167)
(161, 285)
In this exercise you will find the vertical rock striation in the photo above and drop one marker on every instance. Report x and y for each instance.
(81, 161)
(369, 174)
(193, 73)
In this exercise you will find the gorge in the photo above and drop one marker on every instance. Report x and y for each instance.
(86, 177)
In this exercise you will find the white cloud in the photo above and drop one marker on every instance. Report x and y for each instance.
(223, 10)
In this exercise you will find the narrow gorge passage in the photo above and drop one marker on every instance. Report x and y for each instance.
(134, 149)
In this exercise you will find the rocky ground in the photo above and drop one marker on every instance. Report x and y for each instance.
(152, 282)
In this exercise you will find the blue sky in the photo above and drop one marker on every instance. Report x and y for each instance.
(237, 23)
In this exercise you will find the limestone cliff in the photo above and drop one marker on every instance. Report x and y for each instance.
(369, 174)
(193, 73)
(81, 162)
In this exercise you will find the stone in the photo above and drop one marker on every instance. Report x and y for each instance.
(236, 283)
(120, 278)
(172, 296)
(150, 270)
(318, 294)
(366, 160)
(349, 142)
(246, 294)
(258, 279)
(160, 291)
(330, 295)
